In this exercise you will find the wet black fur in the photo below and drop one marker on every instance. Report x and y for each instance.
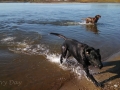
(83, 53)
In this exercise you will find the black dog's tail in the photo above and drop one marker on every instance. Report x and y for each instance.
(59, 35)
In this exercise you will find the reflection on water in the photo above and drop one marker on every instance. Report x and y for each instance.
(92, 28)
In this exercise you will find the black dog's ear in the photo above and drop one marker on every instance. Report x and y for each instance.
(98, 50)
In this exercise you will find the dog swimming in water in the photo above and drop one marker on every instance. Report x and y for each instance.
(92, 20)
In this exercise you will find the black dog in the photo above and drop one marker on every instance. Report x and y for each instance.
(83, 53)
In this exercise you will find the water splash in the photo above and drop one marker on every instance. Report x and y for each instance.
(28, 47)
(68, 23)
(7, 39)
(70, 64)
(41, 49)
(55, 58)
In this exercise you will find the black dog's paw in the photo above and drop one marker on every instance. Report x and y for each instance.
(99, 85)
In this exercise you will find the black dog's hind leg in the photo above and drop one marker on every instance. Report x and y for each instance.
(91, 77)
(63, 54)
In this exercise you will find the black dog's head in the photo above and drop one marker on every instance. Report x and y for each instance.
(94, 57)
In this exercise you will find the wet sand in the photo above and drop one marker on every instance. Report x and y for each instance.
(30, 72)
(34, 72)
(109, 75)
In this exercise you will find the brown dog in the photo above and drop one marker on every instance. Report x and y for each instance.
(92, 20)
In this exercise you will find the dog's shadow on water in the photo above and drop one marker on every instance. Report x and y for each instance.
(115, 70)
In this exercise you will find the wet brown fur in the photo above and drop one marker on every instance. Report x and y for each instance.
(92, 20)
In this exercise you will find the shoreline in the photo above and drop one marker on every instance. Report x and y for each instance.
(109, 75)
(61, 2)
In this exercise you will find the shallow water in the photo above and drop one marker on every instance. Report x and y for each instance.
(25, 28)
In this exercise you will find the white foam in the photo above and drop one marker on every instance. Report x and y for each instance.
(84, 23)
(76, 23)
(8, 39)
(80, 72)
(53, 58)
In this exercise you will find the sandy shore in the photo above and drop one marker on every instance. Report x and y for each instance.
(35, 73)
(109, 75)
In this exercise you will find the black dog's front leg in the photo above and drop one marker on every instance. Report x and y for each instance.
(91, 77)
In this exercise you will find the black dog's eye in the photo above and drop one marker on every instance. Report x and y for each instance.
(95, 57)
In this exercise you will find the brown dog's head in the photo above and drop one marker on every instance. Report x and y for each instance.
(95, 20)
(97, 16)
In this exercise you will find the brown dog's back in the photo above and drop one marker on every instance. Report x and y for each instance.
(92, 19)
